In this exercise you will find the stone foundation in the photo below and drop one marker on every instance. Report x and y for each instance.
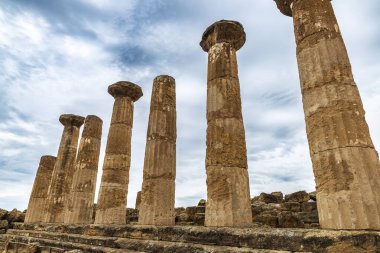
(138, 238)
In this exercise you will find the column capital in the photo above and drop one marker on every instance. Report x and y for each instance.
(71, 120)
(285, 7)
(125, 89)
(228, 31)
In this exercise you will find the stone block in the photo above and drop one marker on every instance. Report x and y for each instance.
(279, 195)
(4, 224)
(266, 219)
(300, 197)
(202, 202)
(292, 206)
(313, 195)
(199, 219)
(308, 217)
(289, 220)
(269, 198)
(16, 216)
(3, 214)
(309, 206)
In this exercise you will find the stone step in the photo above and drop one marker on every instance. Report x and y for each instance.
(59, 245)
(100, 243)
(17, 247)
(295, 240)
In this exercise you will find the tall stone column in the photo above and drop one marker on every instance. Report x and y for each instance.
(37, 202)
(228, 196)
(345, 162)
(158, 189)
(112, 200)
(80, 204)
(63, 172)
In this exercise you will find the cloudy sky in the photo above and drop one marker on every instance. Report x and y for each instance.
(59, 57)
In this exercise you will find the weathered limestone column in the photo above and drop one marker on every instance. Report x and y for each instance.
(37, 202)
(138, 201)
(228, 196)
(112, 200)
(345, 162)
(63, 172)
(80, 204)
(158, 189)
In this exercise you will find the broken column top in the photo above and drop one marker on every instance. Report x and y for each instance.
(71, 120)
(48, 160)
(125, 89)
(164, 78)
(92, 127)
(223, 31)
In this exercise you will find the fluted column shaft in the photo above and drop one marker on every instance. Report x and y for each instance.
(112, 200)
(228, 194)
(158, 189)
(63, 172)
(345, 162)
(37, 203)
(80, 206)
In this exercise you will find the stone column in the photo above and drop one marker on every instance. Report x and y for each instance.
(228, 196)
(345, 162)
(63, 172)
(138, 201)
(80, 204)
(158, 189)
(112, 200)
(37, 202)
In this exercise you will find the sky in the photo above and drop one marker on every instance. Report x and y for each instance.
(59, 57)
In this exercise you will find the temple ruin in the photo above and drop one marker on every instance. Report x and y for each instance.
(342, 216)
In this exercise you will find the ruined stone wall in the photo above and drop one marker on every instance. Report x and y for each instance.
(6, 222)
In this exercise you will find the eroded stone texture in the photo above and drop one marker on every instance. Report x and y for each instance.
(138, 200)
(228, 196)
(63, 172)
(345, 162)
(80, 205)
(37, 202)
(157, 195)
(112, 200)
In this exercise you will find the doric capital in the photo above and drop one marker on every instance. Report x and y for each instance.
(285, 6)
(228, 31)
(71, 120)
(125, 89)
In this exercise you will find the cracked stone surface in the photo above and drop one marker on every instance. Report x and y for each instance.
(80, 206)
(63, 172)
(345, 162)
(228, 196)
(37, 202)
(158, 188)
(112, 200)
